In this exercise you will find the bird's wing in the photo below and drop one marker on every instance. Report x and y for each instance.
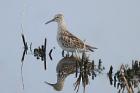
(73, 40)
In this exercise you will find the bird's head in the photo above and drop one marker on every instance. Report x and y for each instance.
(57, 86)
(57, 18)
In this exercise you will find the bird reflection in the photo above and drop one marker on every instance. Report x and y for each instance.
(65, 67)
(82, 68)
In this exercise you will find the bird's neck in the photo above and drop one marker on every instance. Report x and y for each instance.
(61, 78)
(60, 82)
(62, 25)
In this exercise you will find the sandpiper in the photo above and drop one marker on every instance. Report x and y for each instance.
(66, 40)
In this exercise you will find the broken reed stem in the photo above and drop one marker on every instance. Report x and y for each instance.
(50, 54)
(122, 69)
(76, 68)
(77, 83)
(22, 79)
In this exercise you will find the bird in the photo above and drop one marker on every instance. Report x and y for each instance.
(66, 40)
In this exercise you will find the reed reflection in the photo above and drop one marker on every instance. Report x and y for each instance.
(39, 53)
(126, 78)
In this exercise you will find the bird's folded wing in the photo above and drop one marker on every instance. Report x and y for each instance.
(73, 40)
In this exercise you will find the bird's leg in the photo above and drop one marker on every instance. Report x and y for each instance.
(67, 55)
(71, 54)
(77, 54)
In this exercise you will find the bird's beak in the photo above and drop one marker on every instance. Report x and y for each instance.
(49, 83)
(50, 21)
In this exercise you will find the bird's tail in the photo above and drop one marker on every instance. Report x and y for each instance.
(90, 48)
